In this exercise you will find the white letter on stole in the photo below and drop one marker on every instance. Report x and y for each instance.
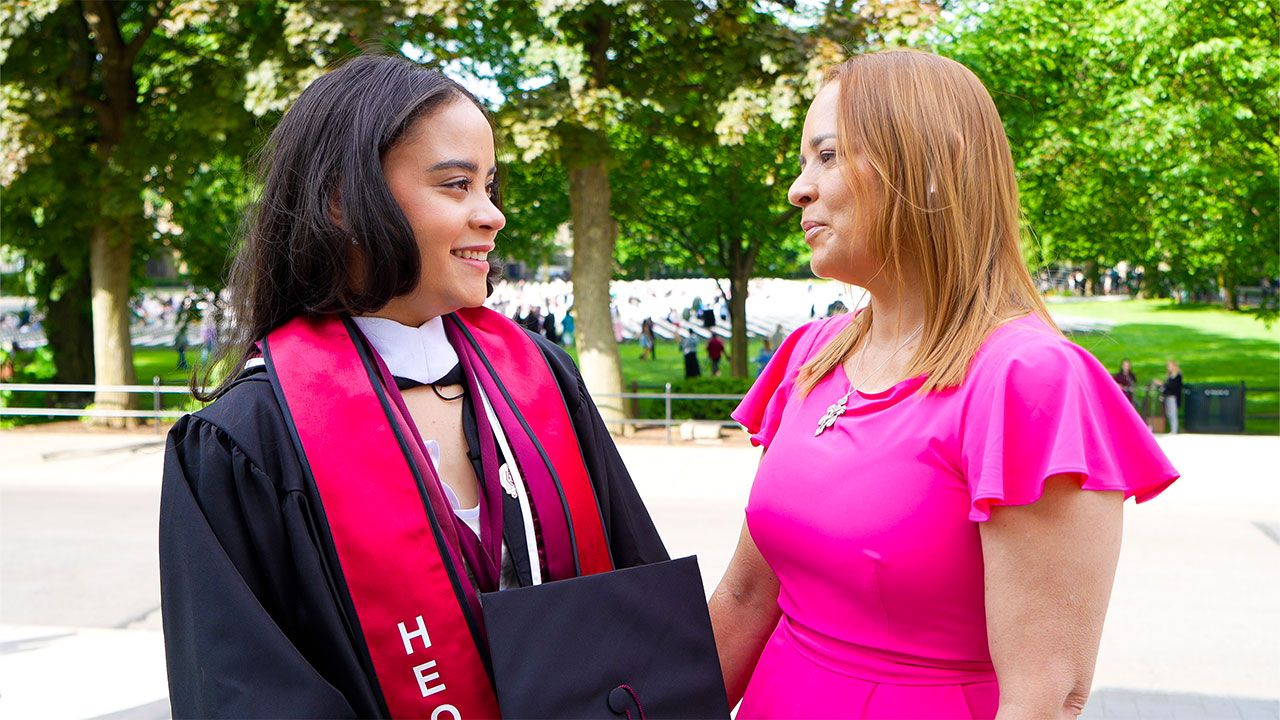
(420, 632)
(424, 678)
(424, 681)
(453, 712)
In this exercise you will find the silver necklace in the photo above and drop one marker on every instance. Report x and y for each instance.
(839, 407)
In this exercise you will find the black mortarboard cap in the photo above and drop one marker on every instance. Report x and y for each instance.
(633, 643)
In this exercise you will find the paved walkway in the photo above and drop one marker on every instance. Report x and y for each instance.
(1193, 630)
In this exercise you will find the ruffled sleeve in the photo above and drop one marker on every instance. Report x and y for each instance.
(1042, 406)
(760, 411)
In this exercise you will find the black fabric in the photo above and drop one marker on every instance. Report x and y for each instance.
(1173, 387)
(629, 643)
(453, 377)
(512, 518)
(691, 367)
(256, 622)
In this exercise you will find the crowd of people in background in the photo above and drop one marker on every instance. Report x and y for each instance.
(1125, 279)
(695, 315)
(15, 325)
(196, 319)
(692, 314)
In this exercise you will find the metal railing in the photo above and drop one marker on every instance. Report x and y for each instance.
(155, 389)
(157, 412)
(667, 421)
(1147, 403)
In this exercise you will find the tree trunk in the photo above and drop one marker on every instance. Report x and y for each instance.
(594, 236)
(68, 321)
(112, 348)
(738, 360)
(1227, 283)
(1153, 283)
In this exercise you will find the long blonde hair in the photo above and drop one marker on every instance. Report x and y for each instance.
(944, 204)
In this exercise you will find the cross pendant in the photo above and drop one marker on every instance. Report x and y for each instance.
(836, 410)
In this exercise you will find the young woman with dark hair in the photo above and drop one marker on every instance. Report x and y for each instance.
(384, 448)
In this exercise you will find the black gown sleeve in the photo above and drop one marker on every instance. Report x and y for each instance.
(633, 539)
(252, 625)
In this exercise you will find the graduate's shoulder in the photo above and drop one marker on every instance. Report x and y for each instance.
(245, 422)
(245, 407)
(563, 368)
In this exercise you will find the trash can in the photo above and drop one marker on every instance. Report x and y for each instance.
(1214, 408)
(1151, 408)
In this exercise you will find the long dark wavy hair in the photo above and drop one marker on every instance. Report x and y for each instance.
(324, 162)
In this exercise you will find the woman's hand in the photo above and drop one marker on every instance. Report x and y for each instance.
(1049, 568)
(744, 611)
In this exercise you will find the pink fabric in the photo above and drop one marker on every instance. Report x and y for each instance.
(872, 528)
(392, 565)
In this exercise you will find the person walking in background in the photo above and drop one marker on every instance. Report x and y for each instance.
(689, 347)
(778, 335)
(533, 321)
(765, 355)
(646, 339)
(1127, 381)
(1171, 393)
(8, 362)
(708, 317)
(566, 328)
(180, 344)
(549, 328)
(715, 352)
(208, 335)
(616, 318)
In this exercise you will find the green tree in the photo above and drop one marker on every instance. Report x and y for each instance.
(719, 208)
(712, 195)
(111, 109)
(1143, 132)
(574, 72)
(102, 103)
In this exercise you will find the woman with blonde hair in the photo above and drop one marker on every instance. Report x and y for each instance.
(918, 542)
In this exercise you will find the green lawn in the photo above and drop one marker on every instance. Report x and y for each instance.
(1210, 344)
(652, 375)
(150, 362)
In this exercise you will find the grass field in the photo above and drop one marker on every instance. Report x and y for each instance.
(1211, 344)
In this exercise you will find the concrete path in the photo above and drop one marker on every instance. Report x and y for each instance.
(1193, 630)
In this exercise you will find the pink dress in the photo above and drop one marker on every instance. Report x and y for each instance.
(872, 528)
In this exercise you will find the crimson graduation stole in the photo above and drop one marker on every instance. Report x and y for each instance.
(392, 527)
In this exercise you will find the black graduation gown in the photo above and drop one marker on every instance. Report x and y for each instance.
(253, 623)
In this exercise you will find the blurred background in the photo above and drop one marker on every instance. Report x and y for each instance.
(638, 141)
(645, 151)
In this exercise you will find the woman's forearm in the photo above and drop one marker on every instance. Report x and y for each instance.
(742, 621)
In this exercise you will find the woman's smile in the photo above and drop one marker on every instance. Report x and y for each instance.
(477, 258)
